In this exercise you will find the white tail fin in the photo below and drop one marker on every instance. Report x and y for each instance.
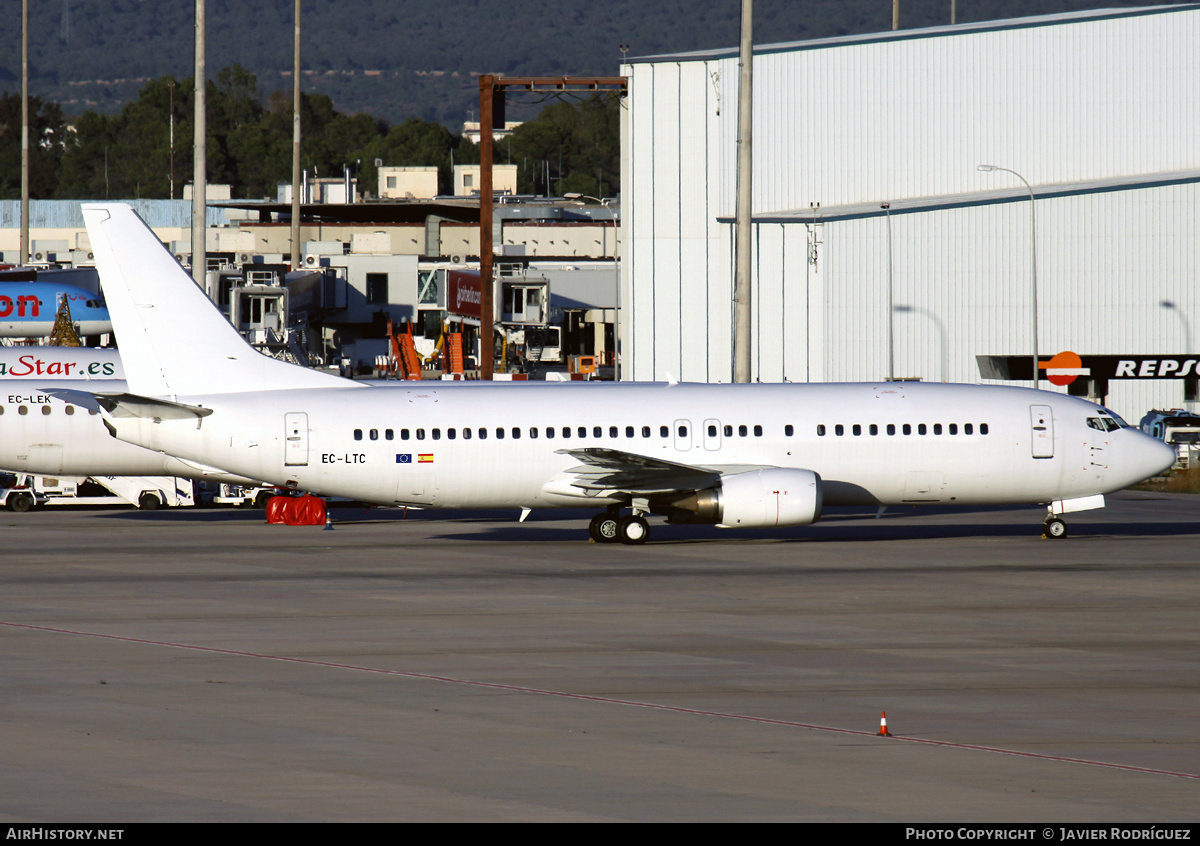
(173, 339)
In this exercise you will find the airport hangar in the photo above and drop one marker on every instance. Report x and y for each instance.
(1098, 111)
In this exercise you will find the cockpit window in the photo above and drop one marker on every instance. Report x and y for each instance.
(1104, 424)
(1116, 419)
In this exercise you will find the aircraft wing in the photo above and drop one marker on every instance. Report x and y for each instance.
(615, 470)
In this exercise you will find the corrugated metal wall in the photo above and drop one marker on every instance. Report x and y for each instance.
(912, 116)
(1116, 274)
(67, 214)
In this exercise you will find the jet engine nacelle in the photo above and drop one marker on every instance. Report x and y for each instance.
(774, 497)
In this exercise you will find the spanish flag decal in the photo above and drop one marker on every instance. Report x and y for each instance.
(425, 458)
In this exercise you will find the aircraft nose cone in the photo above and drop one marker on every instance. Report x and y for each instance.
(1148, 456)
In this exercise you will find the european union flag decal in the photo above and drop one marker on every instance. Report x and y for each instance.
(404, 458)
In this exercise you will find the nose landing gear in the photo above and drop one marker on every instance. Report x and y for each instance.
(1054, 527)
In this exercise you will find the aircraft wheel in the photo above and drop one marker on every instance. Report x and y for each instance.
(1054, 528)
(149, 501)
(261, 500)
(633, 529)
(19, 502)
(603, 528)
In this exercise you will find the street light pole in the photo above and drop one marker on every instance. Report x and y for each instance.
(891, 343)
(1187, 340)
(1033, 288)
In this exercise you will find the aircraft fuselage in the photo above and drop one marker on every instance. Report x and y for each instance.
(499, 446)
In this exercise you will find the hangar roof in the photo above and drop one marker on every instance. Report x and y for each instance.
(850, 211)
(909, 34)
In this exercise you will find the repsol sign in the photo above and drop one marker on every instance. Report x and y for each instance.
(1147, 367)
(1066, 367)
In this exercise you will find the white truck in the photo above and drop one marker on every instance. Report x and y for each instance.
(1178, 428)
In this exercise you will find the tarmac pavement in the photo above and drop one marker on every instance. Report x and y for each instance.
(199, 665)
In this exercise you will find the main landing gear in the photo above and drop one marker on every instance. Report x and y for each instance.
(1054, 527)
(610, 527)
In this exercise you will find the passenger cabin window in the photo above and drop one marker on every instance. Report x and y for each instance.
(357, 432)
(788, 430)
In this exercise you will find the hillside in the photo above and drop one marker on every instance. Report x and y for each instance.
(400, 58)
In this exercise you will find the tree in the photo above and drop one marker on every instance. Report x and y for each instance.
(47, 130)
(580, 143)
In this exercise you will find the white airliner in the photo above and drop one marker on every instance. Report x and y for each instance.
(732, 455)
(44, 436)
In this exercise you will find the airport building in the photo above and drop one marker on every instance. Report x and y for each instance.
(868, 191)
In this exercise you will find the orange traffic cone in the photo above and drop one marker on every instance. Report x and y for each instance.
(883, 732)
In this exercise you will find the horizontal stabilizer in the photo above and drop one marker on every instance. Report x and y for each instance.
(131, 405)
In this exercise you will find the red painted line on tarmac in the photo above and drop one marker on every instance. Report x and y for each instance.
(696, 712)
